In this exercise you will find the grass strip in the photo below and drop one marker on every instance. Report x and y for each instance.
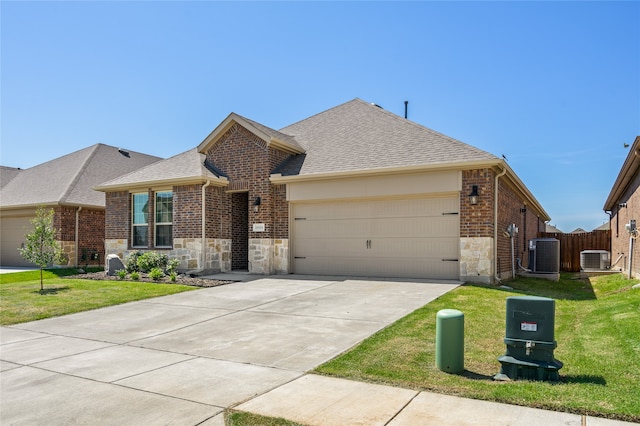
(597, 323)
(21, 299)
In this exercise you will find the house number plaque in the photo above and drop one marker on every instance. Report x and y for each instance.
(259, 227)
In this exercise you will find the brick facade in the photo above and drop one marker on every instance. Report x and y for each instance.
(513, 210)
(90, 235)
(620, 216)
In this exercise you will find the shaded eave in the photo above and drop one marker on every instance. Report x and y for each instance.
(50, 204)
(234, 118)
(162, 183)
(498, 165)
(625, 177)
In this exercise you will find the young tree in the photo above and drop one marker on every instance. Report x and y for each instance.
(41, 247)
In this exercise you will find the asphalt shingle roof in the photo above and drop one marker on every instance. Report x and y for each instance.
(360, 136)
(187, 165)
(7, 174)
(69, 179)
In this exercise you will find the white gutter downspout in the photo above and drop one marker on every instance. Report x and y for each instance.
(77, 234)
(495, 225)
(204, 252)
(632, 236)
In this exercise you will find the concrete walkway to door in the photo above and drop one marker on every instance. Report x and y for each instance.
(182, 359)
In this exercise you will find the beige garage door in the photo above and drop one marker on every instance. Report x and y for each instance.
(416, 238)
(12, 232)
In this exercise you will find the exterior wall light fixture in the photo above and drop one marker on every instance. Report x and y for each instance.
(473, 197)
(256, 204)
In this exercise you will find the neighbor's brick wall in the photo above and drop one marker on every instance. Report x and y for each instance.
(619, 236)
(91, 234)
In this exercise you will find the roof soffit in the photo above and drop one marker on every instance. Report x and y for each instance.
(625, 177)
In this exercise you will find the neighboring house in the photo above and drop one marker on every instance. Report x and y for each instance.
(604, 227)
(65, 185)
(623, 206)
(552, 229)
(578, 231)
(354, 190)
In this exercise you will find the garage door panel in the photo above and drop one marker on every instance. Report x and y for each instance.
(358, 266)
(331, 228)
(420, 248)
(396, 238)
(12, 236)
(335, 247)
(442, 226)
(387, 208)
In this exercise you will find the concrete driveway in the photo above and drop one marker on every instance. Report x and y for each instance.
(183, 359)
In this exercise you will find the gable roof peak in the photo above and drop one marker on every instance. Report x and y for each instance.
(272, 137)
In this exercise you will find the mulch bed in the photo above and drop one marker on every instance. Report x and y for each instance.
(180, 279)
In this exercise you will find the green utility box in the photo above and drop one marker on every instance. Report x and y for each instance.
(530, 340)
(450, 340)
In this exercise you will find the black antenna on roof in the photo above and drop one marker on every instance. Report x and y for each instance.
(406, 107)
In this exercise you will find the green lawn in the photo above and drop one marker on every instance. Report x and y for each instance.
(21, 299)
(597, 330)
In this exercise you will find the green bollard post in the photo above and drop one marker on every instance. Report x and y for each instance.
(450, 340)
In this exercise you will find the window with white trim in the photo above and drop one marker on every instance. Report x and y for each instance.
(140, 220)
(164, 219)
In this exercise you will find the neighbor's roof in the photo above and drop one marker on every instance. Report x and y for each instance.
(604, 227)
(626, 176)
(552, 229)
(361, 136)
(185, 168)
(68, 180)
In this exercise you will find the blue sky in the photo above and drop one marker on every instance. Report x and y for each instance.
(554, 86)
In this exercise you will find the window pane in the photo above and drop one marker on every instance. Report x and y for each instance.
(164, 235)
(140, 208)
(164, 207)
(140, 236)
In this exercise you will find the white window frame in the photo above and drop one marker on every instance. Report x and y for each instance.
(135, 225)
(163, 223)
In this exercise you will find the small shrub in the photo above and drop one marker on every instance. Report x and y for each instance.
(173, 276)
(151, 260)
(135, 275)
(131, 262)
(172, 265)
(156, 274)
(121, 273)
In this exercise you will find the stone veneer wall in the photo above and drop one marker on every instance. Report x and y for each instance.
(476, 254)
(187, 250)
(268, 256)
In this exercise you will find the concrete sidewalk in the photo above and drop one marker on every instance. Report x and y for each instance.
(322, 401)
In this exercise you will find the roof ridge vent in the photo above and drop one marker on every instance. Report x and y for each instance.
(124, 152)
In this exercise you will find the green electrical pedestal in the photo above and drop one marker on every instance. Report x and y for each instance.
(450, 341)
(530, 340)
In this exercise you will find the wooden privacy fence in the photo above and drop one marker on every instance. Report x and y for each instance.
(572, 244)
